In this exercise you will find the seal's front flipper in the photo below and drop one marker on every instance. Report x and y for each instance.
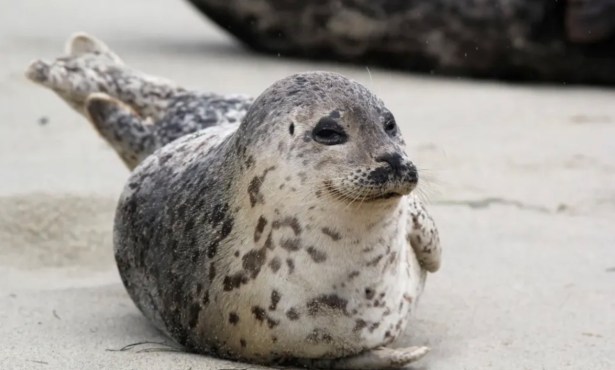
(128, 134)
(379, 358)
(423, 236)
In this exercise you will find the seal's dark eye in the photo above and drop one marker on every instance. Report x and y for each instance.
(389, 125)
(329, 132)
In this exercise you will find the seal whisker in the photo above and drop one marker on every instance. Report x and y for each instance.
(357, 196)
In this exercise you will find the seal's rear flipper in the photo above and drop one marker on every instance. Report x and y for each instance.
(81, 43)
(379, 358)
(124, 130)
(78, 74)
(89, 66)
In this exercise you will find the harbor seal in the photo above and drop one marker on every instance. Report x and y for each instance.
(276, 230)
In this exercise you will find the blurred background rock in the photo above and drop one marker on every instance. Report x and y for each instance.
(570, 41)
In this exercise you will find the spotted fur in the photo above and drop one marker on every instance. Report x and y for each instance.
(241, 233)
(135, 112)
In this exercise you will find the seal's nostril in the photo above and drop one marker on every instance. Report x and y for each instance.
(394, 160)
(400, 167)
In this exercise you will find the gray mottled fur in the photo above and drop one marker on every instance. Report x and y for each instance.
(152, 111)
(251, 240)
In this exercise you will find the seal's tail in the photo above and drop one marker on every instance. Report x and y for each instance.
(96, 83)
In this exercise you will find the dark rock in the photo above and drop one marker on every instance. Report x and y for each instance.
(569, 41)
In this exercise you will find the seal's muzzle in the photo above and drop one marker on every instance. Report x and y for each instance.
(398, 176)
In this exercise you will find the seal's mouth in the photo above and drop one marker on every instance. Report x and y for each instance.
(385, 196)
(358, 197)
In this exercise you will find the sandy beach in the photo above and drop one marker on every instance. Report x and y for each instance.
(520, 179)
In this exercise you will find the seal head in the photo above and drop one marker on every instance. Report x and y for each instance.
(337, 131)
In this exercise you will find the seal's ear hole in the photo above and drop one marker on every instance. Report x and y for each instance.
(291, 129)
